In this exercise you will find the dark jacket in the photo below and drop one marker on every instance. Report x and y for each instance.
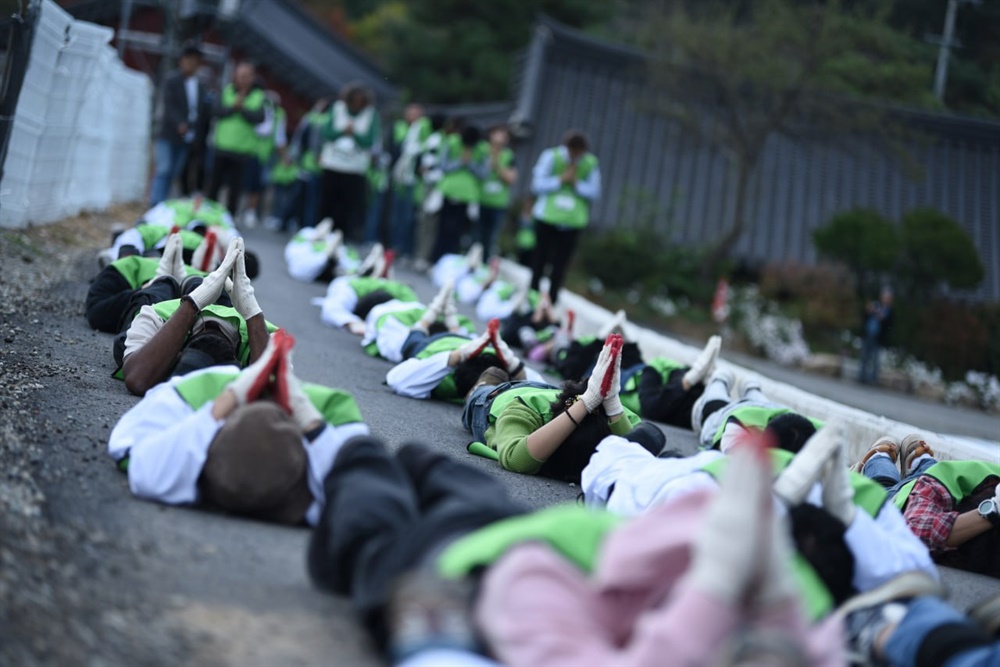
(175, 107)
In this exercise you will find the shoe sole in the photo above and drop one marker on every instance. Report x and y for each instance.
(908, 585)
(987, 615)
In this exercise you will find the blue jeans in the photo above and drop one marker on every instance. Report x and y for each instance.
(311, 194)
(476, 414)
(869, 360)
(373, 217)
(284, 201)
(490, 222)
(170, 158)
(403, 219)
(884, 471)
(923, 617)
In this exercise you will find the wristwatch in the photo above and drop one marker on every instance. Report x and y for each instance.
(988, 510)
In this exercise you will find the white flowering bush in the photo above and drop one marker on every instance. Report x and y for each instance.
(779, 337)
(986, 388)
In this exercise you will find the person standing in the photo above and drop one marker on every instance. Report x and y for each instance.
(495, 195)
(464, 166)
(566, 180)
(182, 96)
(239, 111)
(878, 322)
(349, 140)
(409, 136)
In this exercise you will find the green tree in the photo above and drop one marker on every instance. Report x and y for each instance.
(739, 75)
(936, 252)
(461, 51)
(864, 241)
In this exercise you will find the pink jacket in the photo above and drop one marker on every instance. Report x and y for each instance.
(538, 609)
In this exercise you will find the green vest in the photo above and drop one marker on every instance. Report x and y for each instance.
(575, 532)
(265, 145)
(167, 308)
(961, 478)
(153, 234)
(525, 238)
(138, 270)
(493, 191)
(212, 213)
(447, 390)
(408, 318)
(399, 130)
(565, 207)
(365, 286)
(754, 417)
(337, 407)
(460, 185)
(234, 133)
(629, 394)
(284, 173)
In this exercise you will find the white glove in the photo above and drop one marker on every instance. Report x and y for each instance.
(603, 374)
(208, 254)
(727, 551)
(212, 285)
(779, 584)
(322, 229)
(253, 379)
(165, 267)
(304, 412)
(504, 353)
(794, 483)
(612, 402)
(705, 363)
(243, 297)
(838, 494)
(474, 347)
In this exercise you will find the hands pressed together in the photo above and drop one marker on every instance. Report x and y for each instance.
(604, 384)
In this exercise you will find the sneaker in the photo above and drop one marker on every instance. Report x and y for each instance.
(912, 447)
(986, 614)
(747, 384)
(884, 445)
(905, 586)
(864, 627)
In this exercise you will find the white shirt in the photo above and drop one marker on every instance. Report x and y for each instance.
(392, 334)
(167, 443)
(191, 89)
(337, 307)
(883, 546)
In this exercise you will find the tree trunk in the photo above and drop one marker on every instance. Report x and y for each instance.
(721, 250)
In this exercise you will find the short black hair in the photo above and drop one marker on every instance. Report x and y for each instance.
(573, 455)
(437, 121)
(191, 49)
(576, 140)
(252, 264)
(207, 348)
(791, 431)
(467, 373)
(819, 539)
(369, 301)
(437, 327)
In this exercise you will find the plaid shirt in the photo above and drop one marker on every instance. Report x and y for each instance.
(930, 513)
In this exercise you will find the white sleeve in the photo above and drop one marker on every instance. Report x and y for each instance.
(885, 547)
(143, 328)
(130, 236)
(490, 305)
(542, 180)
(338, 306)
(165, 463)
(417, 378)
(304, 262)
(160, 408)
(390, 338)
(590, 188)
(321, 453)
(468, 289)
(730, 436)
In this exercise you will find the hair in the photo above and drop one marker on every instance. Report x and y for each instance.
(191, 49)
(819, 538)
(215, 345)
(576, 140)
(437, 327)
(471, 135)
(467, 373)
(369, 301)
(790, 431)
(437, 121)
(573, 455)
(252, 264)
(356, 88)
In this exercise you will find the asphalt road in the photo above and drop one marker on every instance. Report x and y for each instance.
(236, 591)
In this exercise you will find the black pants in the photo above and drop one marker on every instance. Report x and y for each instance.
(453, 222)
(229, 170)
(553, 251)
(667, 402)
(386, 515)
(344, 197)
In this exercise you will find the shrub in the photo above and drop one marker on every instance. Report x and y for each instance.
(823, 297)
(863, 240)
(937, 251)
